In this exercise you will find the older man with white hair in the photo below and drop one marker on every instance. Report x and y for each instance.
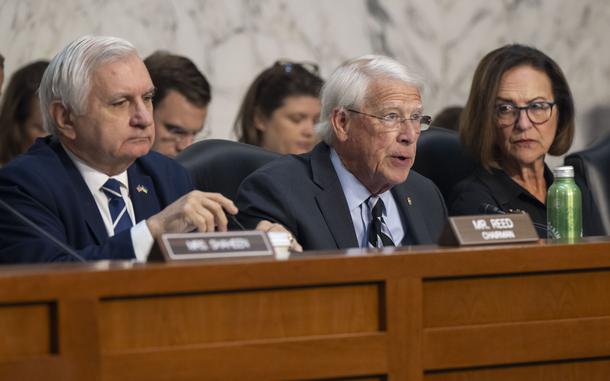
(354, 189)
(93, 187)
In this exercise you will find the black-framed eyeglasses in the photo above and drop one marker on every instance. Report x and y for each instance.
(537, 112)
(393, 121)
(289, 66)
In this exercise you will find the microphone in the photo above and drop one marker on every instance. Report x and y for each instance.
(236, 222)
(541, 228)
(487, 208)
(41, 231)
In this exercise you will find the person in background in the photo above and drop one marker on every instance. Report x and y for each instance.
(448, 118)
(94, 184)
(281, 108)
(180, 104)
(520, 109)
(20, 116)
(355, 188)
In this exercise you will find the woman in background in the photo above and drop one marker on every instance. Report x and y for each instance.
(20, 116)
(281, 108)
(520, 109)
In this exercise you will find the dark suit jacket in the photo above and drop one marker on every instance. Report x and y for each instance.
(304, 194)
(498, 189)
(45, 186)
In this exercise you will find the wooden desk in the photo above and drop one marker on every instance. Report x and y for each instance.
(523, 312)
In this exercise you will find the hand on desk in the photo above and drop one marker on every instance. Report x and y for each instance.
(267, 226)
(204, 211)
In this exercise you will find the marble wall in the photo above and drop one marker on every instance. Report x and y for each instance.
(233, 40)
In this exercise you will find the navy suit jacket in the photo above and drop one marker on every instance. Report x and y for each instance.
(46, 187)
(304, 194)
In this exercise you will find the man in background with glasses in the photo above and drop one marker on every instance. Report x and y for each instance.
(355, 188)
(182, 96)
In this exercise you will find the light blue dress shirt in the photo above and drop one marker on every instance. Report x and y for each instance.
(356, 195)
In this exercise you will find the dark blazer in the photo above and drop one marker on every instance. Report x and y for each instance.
(304, 194)
(498, 189)
(45, 186)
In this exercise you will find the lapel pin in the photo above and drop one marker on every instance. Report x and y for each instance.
(409, 200)
(141, 188)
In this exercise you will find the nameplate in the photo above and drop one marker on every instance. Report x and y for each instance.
(488, 229)
(235, 244)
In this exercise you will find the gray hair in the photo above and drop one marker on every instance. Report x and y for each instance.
(348, 85)
(68, 76)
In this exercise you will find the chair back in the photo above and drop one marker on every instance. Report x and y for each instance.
(440, 158)
(592, 166)
(218, 165)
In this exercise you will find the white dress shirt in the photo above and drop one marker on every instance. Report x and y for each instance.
(141, 238)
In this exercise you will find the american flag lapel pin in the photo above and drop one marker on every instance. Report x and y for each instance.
(142, 189)
(409, 200)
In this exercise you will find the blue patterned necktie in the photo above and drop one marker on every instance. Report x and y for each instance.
(378, 232)
(116, 205)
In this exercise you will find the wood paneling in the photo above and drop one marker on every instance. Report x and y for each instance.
(79, 345)
(278, 359)
(48, 367)
(499, 344)
(175, 320)
(35, 324)
(404, 328)
(486, 300)
(517, 312)
(594, 370)
(373, 378)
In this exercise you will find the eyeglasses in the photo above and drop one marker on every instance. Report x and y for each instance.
(289, 66)
(507, 114)
(393, 121)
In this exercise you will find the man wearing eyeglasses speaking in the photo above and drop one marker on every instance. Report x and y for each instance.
(355, 188)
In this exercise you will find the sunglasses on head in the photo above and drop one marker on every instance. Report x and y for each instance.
(289, 66)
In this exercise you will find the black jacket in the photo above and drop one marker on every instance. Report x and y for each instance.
(498, 189)
(304, 194)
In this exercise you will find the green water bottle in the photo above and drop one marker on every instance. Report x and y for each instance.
(564, 207)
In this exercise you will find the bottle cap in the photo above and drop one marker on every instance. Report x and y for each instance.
(565, 171)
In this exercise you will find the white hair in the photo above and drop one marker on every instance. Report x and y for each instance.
(67, 79)
(348, 85)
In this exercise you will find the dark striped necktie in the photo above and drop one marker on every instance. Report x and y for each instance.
(116, 205)
(378, 232)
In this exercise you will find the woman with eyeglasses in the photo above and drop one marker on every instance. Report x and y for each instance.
(281, 108)
(519, 110)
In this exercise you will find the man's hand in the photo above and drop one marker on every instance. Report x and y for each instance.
(203, 211)
(266, 226)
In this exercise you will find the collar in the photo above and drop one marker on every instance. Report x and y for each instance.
(355, 192)
(94, 178)
(506, 189)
